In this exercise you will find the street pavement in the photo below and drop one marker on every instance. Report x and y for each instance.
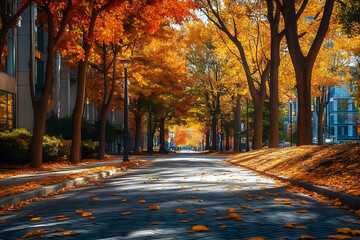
(204, 186)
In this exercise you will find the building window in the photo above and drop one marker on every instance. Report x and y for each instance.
(7, 110)
(342, 105)
(343, 131)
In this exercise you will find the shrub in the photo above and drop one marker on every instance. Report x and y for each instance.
(14, 146)
(50, 149)
(64, 148)
(90, 149)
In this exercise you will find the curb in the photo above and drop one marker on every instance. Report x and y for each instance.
(43, 191)
(347, 199)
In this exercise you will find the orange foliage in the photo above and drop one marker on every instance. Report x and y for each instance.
(336, 166)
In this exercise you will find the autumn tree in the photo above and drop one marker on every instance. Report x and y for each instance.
(207, 71)
(304, 62)
(56, 15)
(8, 20)
(234, 20)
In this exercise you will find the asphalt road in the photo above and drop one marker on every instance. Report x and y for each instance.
(202, 185)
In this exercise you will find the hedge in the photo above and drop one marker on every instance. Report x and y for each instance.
(14, 148)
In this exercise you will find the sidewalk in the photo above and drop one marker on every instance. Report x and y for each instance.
(24, 179)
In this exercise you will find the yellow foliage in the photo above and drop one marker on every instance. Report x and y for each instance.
(34, 233)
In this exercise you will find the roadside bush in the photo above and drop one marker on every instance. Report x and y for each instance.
(90, 149)
(64, 148)
(14, 146)
(51, 146)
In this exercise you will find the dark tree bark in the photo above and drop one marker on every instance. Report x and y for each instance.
(137, 133)
(207, 140)
(227, 132)
(303, 64)
(75, 154)
(321, 103)
(276, 36)
(214, 132)
(237, 125)
(107, 97)
(162, 136)
(40, 106)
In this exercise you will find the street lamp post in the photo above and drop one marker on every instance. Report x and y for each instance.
(126, 63)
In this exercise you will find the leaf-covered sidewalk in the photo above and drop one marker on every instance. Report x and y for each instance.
(336, 166)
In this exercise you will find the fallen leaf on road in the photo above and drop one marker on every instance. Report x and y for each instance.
(245, 206)
(289, 225)
(92, 218)
(263, 187)
(180, 211)
(155, 223)
(192, 197)
(200, 212)
(58, 230)
(271, 194)
(124, 200)
(149, 178)
(303, 202)
(114, 194)
(306, 237)
(141, 201)
(343, 230)
(230, 188)
(338, 237)
(260, 198)
(287, 202)
(69, 233)
(223, 226)
(196, 189)
(86, 214)
(199, 228)
(238, 187)
(302, 211)
(95, 199)
(199, 200)
(257, 210)
(79, 211)
(180, 200)
(154, 207)
(34, 233)
(184, 221)
(182, 186)
(230, 210)
(127, 213)
(36, 219)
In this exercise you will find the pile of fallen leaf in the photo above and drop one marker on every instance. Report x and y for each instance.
(14, 189)
(15, 169)
(336, 166)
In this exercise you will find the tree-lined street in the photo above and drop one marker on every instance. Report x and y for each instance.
(190, 190)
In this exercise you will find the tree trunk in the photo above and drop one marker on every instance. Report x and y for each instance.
(102, 139)
(37, 140)
(274, 91)
(150, 133)
(227, 132)
(321, 125)
(75, 153)
(258, 118)
(137, 133)
(214, 132)
(304, 121)
(40, 107)
(207, 140)
(303, 64)
(162, 136)
(237, 125)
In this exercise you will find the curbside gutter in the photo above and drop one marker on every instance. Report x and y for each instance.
(347, 199)
(45, 190)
